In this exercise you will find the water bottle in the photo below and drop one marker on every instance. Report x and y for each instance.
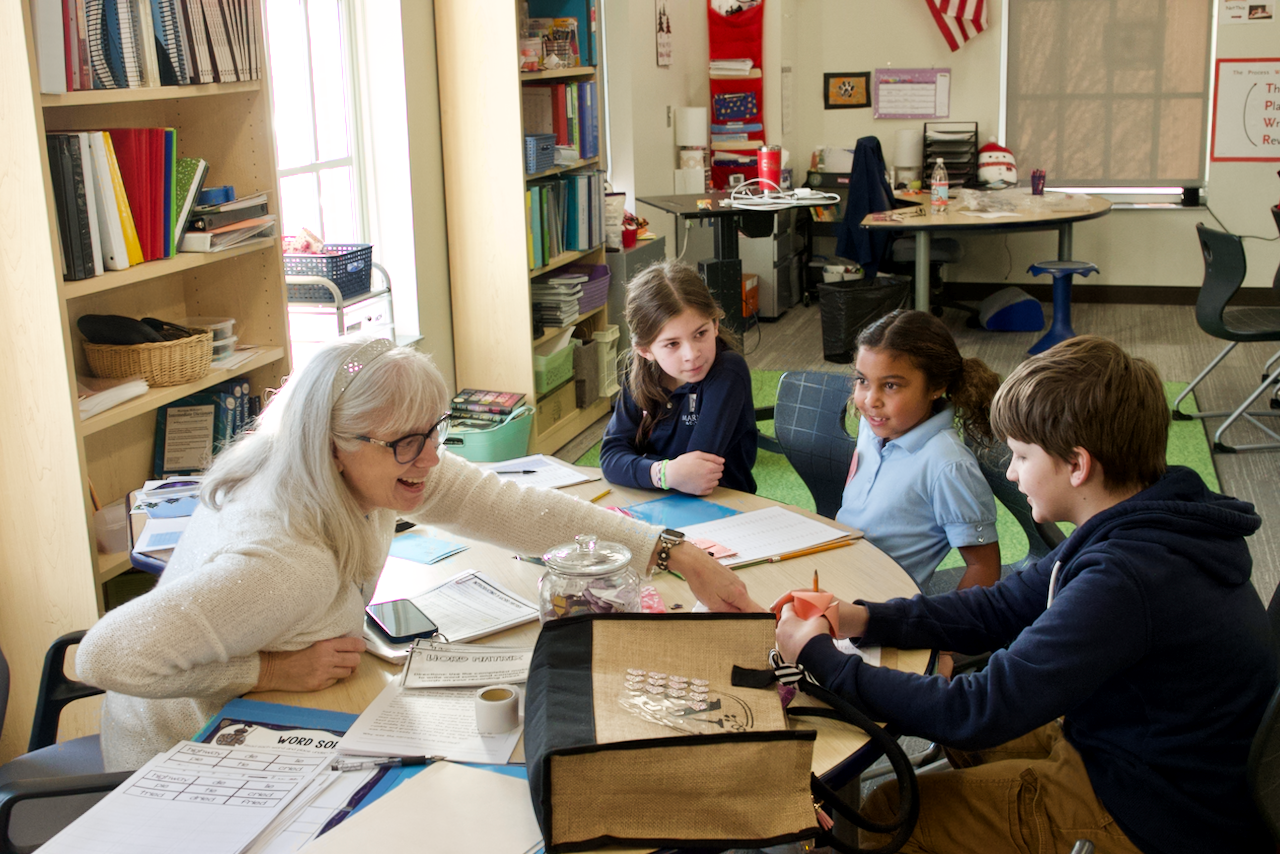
(938, 187)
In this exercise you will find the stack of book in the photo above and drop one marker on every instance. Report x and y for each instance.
(556, 298)
(221, 226)
(122, 197)
(565, 214)
(568, 110)
(130, 44)
(190, 432)
(484, 407)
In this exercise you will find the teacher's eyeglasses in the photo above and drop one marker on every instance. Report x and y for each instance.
(409, 448)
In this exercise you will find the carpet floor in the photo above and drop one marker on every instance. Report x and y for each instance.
(776, 479)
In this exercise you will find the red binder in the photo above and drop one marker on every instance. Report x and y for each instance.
(140, 153)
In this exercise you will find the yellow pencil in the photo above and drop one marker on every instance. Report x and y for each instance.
(815, 581)
(601, 495)
(822, 548)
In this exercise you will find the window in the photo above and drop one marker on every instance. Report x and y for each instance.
(311, 82)
(1110, 93)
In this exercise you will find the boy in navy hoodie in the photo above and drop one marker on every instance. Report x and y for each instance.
(1130, 666)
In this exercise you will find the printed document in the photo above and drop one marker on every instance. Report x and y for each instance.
(471, 605)
(426, 722)
(538, 470)
(195, 798)
(461, 665)
(764, 533)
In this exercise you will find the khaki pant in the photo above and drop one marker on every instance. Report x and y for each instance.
(1029, 796)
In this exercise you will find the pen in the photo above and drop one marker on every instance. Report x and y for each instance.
(525, 471)
(601, 495)
(381, 762)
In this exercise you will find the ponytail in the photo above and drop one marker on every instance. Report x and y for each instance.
(971, 393)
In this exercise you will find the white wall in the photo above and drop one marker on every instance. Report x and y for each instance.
(1130, 247)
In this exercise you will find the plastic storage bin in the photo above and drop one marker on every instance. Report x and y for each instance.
(223, 348)
(503, 441)
(220, 326)
(350, 268)
(539, 152)
(556, 369)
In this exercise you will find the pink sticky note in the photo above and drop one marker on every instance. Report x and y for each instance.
(713, 548)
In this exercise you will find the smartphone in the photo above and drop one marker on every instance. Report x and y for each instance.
(401, 620)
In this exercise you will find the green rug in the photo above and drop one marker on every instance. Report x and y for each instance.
(776, 479)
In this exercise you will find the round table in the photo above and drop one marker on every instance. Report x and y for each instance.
(859, 571)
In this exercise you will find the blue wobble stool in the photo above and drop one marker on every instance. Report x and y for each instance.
(1062, 271)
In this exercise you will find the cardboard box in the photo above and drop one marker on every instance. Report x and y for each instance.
(750, 294)
(555, 406)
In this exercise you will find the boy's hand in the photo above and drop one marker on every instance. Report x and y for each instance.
(695, 473)
(793, 633)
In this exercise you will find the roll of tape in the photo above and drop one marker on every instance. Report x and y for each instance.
(497, 709)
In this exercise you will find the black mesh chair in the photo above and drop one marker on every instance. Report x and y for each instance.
(809, 423)
(52, 784)
(1224, 270)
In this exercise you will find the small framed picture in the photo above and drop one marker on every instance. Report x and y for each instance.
(846, 91)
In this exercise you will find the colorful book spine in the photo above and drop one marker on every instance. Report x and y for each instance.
(132, 244)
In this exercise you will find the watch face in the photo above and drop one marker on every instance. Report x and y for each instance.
(670, 534)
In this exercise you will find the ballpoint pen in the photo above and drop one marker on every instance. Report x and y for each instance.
(370, 763)
(525, 471)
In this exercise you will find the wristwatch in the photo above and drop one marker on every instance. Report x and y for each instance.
(667, 541)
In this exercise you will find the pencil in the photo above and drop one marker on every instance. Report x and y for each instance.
(815, 581)
(601, 495)
(789, 555)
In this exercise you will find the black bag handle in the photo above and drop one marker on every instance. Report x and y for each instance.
(840, 709)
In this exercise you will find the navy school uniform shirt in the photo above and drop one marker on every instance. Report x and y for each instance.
(1156, 652)
(716, 415)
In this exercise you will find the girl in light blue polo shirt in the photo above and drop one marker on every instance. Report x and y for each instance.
(914, 489)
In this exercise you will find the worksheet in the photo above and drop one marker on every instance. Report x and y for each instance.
(195, 798)
(471, 605)
(764, 533)
(462, 665)
(426, 722)
(538, 470)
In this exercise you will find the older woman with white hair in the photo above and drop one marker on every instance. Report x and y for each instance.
(267, 588)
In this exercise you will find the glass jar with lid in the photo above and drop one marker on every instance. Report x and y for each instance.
(588, 576)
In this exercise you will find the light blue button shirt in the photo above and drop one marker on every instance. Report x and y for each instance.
(920, 495)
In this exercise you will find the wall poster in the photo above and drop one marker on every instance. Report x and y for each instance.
(1246, 110)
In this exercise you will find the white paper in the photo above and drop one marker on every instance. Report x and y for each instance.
(426, 722)
(538, 470)
(764, 533)
(160, 535)
(311, 811)
(440, 665)
(196, 799)
(471, 605)
(869, 654)
(188, 436)
(989, 214)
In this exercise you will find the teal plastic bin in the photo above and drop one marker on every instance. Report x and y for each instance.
(505, 440)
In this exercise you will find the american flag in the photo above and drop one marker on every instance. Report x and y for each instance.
(959, 20)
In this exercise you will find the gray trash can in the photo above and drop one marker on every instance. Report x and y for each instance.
(851, 306)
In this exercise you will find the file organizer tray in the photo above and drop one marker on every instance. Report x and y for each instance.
(539, 152)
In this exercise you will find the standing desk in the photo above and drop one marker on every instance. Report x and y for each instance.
(857, 571)
(955, 220)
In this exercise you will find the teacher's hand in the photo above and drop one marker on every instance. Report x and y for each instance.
(794, 633)
(715, 585)
(311, 669)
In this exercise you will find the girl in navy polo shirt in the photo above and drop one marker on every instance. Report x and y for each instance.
(685, 419)
(914, 489)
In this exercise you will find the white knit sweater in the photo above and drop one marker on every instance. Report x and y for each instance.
(238, 583)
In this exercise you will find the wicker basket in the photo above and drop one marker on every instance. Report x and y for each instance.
(160, 364)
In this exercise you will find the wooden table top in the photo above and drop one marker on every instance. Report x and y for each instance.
(860, 571)
(957, 219)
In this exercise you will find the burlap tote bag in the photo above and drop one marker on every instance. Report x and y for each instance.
(636, 733)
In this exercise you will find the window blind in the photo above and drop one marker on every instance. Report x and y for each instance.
(1110, 93)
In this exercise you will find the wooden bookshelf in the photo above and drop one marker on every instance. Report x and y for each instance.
(484, 187)
(53, 573)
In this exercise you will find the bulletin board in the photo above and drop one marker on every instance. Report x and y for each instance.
(1246, 110)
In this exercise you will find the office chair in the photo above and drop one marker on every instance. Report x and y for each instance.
(942, 250)
(1224, 271)
(809, 423)
(52, 784)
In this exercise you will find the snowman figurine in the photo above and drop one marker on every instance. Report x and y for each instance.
(996, 169)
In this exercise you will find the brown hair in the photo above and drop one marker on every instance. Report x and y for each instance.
(657, 294)
(1089, 393)
(924, 339)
